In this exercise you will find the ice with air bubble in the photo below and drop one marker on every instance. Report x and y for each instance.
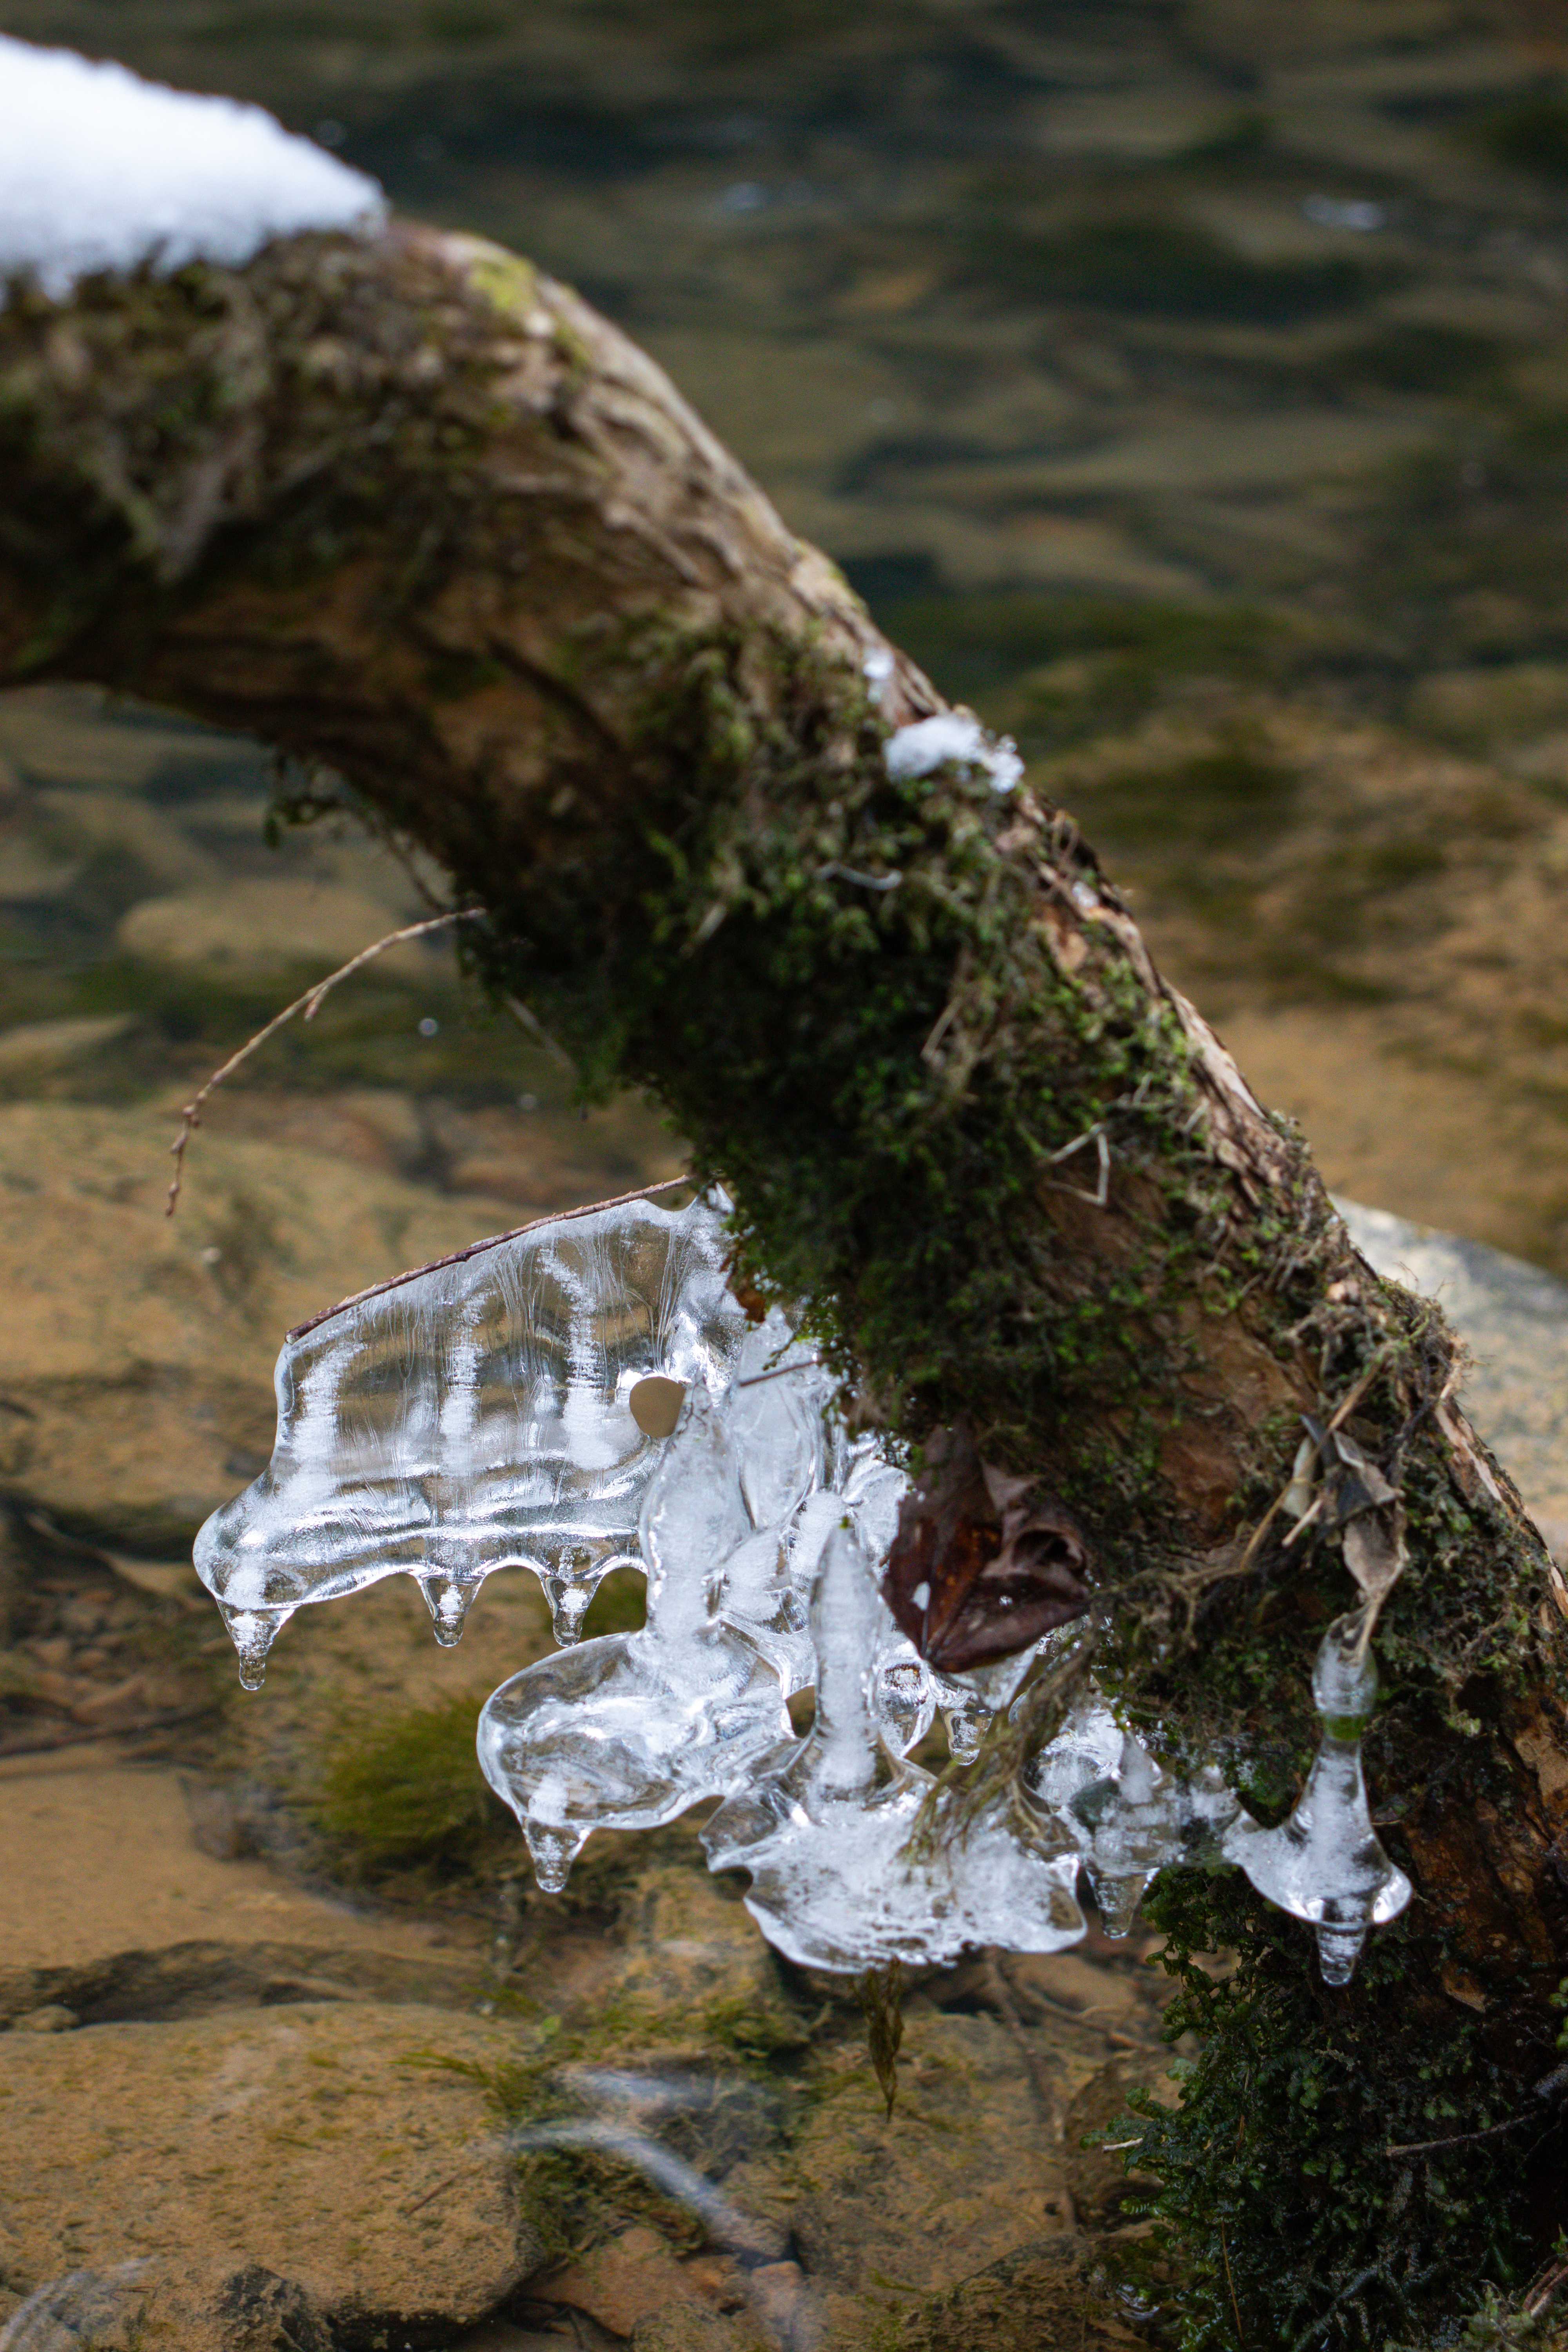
(1127, 1815)
(484, 1413)
(589, 1391)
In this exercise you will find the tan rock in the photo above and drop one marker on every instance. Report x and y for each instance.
(618, 2283)
(321, 2158)
(136, 1353)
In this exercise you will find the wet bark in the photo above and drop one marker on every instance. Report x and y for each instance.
(408, 509)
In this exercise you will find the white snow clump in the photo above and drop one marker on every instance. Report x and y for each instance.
(101, 171)
(956, 735)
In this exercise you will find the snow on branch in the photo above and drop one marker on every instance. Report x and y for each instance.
(101, 171)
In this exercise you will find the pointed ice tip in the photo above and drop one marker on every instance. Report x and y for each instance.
(552, 1853)
(568, 1600)
(1117, 1901)
(448, 1604)
(253, 1635)
(1339, 1949)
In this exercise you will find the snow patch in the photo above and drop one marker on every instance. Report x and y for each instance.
(101, 171)
(956, 736)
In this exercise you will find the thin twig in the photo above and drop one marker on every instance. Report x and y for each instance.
(310, 1004)
(1101, 1193)
(1342, 1411)
(1461, 2139)
(532, 1027)
(1230, 2282)
(809, 1364)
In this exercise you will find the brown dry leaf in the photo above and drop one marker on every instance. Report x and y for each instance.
(983, 1563)
(1374, 1551)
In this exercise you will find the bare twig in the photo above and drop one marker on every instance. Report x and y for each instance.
(1342, 1411)
(309, 1006)
(808, 1364)
(1230, 2282)
(1458, 2139)
(532, 1027)
(1095, 1135)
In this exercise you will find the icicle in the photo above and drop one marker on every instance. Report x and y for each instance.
(1325, 1865)
(448, 1603)
(569, 1576)
(903, 1694)
(626, 1731)
(253, 1632)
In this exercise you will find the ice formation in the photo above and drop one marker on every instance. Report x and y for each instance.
(627, 1731)
(826, 1826)
(482, 1413)
(587, 1391)
(1325, 1865)
(1127, 1817)
(101, 171)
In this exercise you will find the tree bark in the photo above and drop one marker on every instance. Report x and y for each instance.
(405, 507)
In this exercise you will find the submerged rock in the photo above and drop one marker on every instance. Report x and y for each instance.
(308, 2167)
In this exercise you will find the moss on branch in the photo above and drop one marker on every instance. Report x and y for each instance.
(408, 509)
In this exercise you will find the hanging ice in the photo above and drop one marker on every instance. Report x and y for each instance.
(774, 1411)
(823, 1825)
(626, 1732)
(1127, 1816)
(481, 1413)
(970, 1701)
(1325, 1865)
(587, 1391)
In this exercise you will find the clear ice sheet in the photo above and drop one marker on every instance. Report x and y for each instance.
(626, 1731)
(474, 1417)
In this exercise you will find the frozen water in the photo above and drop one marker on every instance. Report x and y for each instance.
(774, 1411)
(1127, 1816)
(823, 1825)
(626, 1732)
(515, 1405)
(969, 1701)
(903, 1694)
(1325, 1865)
(480, 1414)
(101, 171)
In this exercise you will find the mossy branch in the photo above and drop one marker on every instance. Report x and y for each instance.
(403, 506)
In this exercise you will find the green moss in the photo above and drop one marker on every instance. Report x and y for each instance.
(407, 1794)
(1299, 2219)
